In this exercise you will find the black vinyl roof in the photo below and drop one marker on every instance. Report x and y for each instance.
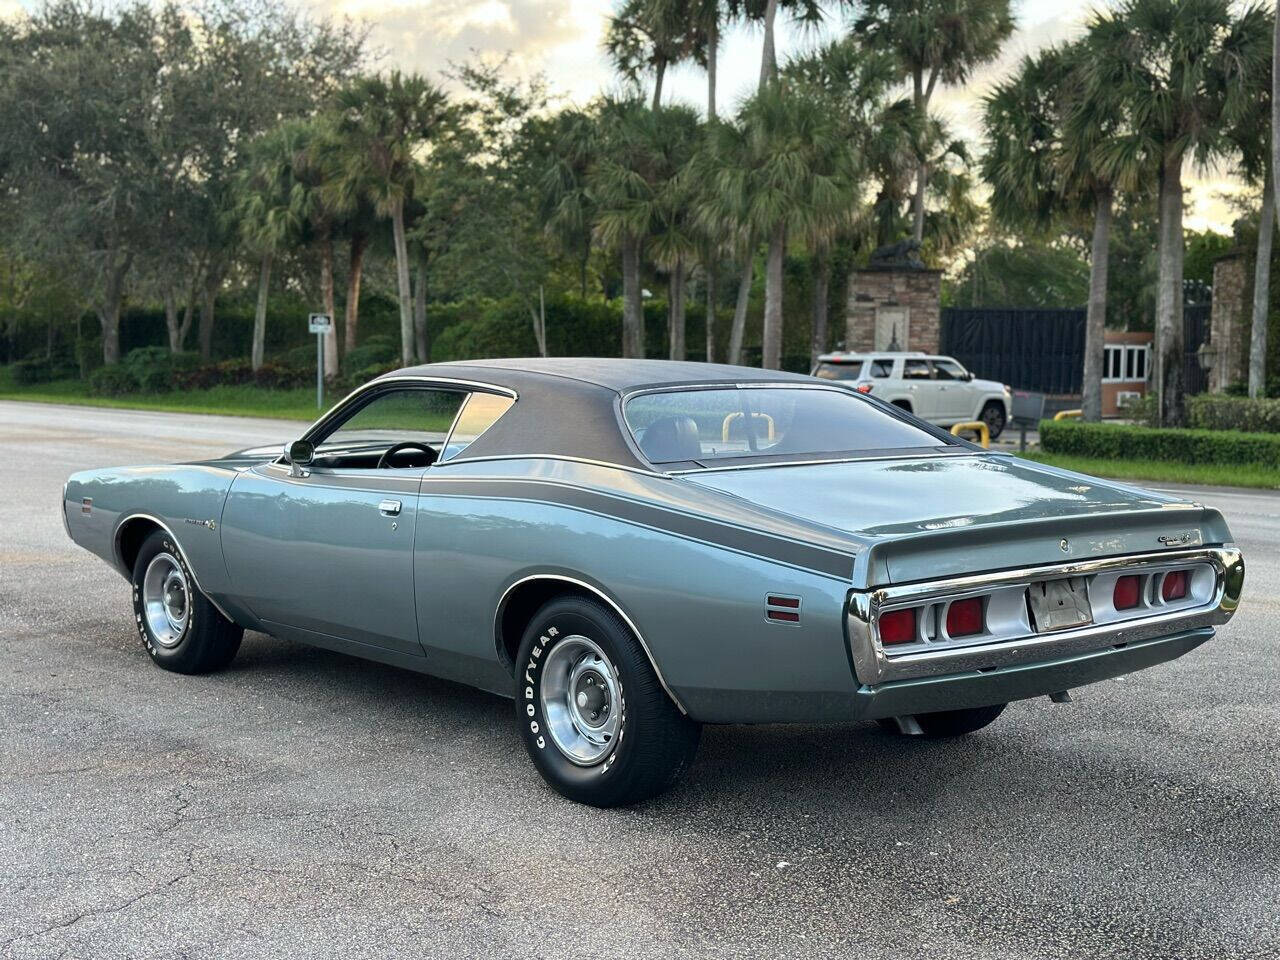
(567, 405)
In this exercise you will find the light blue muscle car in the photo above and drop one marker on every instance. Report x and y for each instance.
(632, 548)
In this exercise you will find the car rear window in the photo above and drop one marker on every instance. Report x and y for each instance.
(838, 370)
(783, 422)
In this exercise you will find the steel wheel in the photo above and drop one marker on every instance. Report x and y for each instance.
(166, 599)
(581, 700)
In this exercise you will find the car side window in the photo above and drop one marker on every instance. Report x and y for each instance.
(916, 370)
(838, 370)
(411, 415)
(481, 411)
(948, 370)
(881, 367)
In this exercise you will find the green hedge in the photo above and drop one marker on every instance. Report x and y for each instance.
(1217, 411)
(1122, 442)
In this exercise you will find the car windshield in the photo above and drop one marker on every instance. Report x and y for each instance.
(727, 423)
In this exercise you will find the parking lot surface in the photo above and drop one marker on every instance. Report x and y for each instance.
(307, 804)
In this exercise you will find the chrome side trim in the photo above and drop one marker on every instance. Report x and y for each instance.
(872, 666)
(502, 605)
(119, 559)
(62, 509)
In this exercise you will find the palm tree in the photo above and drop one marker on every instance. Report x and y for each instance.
(387, 121)
(782, 171)
(566, 210)
(271, 207)
(935, 42)
(1186, 70)
(1053, 155)
(651, 35)
(674, 238)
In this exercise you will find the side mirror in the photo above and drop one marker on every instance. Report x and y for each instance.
(299, 454)
(968, 375)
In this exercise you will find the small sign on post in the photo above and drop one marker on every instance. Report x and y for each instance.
(319, 324)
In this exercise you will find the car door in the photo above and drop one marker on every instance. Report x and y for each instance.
(954, 395)
(328, 548)
(917, 377)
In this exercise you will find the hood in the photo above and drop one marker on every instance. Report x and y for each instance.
(991, 386)
(954, 514)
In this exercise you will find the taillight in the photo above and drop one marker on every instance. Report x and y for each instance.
(898, 626)
(863, 387)
(964, 617)
(1127, 593)
(1174, 585)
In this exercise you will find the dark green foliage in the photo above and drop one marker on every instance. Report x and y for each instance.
(112, 382)
(32, 370)
(154, 368)
(1211, 411)
(1122, 442)
(373, 351)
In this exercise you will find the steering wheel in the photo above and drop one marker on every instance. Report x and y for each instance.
(384, 461)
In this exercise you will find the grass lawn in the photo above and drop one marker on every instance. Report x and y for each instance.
(240, 401)
(1162, 471)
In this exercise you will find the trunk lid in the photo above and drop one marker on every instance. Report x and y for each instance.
(947, 515)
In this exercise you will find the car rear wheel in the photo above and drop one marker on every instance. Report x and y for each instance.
(949, 723)
(181, 629)
(594, 717)
(993, 416)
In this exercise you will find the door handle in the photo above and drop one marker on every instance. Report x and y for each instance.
(389, 508)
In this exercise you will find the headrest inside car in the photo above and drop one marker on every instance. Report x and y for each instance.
(671, 439)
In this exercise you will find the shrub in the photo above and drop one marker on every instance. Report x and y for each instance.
(1122, 442)
(112, 381)
(276, 376)
(375, 350)
(32, 370)
(156, 368)
(300, 358)
(1215, 411)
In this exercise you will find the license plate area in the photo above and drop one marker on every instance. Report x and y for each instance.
(1059, 604)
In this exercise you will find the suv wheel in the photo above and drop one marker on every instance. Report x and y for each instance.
(993, 416)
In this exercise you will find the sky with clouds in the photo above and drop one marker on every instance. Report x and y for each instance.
(562, 39)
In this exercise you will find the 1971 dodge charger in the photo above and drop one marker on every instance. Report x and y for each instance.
(633, 548)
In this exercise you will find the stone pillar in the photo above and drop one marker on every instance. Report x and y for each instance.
(1229, 322)
(893, 308)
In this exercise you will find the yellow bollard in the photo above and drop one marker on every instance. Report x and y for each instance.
(978, 427)
(1068, 415)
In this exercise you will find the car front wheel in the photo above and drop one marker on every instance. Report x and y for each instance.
(994, 417)
(595, 719)
(181, 629)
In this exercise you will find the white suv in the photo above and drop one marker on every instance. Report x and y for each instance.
(937, 389)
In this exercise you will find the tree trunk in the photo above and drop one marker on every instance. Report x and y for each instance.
(769, 56)
(739, 328)
(188, 315)
(359, 242)
(676, 310)
(659, 72)
(213, 280)
(921, 103)
(326, 292)
(402, 284)
(421, 339)
(772, 334)
(821, 305)
(632, 306)
(1169, 344)
(1095, 327)
(539, 318)
(1262, 291)
(711, 309)
(171, 325)
(713, 51)
(260, 314)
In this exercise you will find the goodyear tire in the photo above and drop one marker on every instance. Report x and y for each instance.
(180, 628)
(951, 723)
(594, 717)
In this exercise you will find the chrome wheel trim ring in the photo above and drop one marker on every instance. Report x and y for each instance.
(581, 700)
(166, 600)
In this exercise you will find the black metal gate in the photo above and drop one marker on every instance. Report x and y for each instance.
(1030, 349)
(1195, 330)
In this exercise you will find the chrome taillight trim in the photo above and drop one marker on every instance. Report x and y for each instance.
(874, 665)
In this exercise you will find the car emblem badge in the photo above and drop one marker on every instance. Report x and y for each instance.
(1184, 539)
(1065, 544)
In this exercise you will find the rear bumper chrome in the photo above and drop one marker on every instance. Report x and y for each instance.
(874, 666)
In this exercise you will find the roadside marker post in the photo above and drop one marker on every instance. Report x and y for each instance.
(319, 324)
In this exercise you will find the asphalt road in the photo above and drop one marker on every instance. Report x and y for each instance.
(307, 804)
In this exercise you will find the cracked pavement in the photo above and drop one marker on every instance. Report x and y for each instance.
(308, 804)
